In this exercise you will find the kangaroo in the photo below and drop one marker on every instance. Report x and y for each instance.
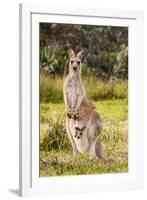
(73, 87)
(81, 139)
(83, 123)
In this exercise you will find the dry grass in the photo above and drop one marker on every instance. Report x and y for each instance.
(51, 90)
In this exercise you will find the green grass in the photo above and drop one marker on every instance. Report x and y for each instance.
(55, 149)
(117, 109)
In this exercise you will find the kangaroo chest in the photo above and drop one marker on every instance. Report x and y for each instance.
(73, 86)
(74, 89)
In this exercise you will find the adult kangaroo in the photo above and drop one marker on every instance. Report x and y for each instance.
(83, 122)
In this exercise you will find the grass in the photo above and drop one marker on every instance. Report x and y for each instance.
(51, 89)
(55, 165)
(55, 149)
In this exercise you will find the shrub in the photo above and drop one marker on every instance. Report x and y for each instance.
(120, 69)
(53, 135)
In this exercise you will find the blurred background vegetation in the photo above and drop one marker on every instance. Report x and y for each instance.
(106, 49)
(105, 61)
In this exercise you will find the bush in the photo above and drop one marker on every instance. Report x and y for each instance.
(53, 135)
(121, 67)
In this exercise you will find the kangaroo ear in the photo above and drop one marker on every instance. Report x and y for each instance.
(71, 53)
(80, 54)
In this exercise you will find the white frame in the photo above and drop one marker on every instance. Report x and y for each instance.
(30, 182)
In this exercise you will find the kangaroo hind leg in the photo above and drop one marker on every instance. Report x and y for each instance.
(92, 149)
(74, 147)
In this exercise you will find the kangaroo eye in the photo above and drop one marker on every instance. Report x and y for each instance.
(78, 62)
(71, 61)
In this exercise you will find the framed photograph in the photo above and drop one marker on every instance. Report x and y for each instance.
(81, 100)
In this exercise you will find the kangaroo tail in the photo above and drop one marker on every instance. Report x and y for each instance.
(99, 151)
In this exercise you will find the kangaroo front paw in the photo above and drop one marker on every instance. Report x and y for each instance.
(69, 114)
(76, 115)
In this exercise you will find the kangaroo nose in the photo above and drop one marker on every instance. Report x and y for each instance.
(75, 68)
